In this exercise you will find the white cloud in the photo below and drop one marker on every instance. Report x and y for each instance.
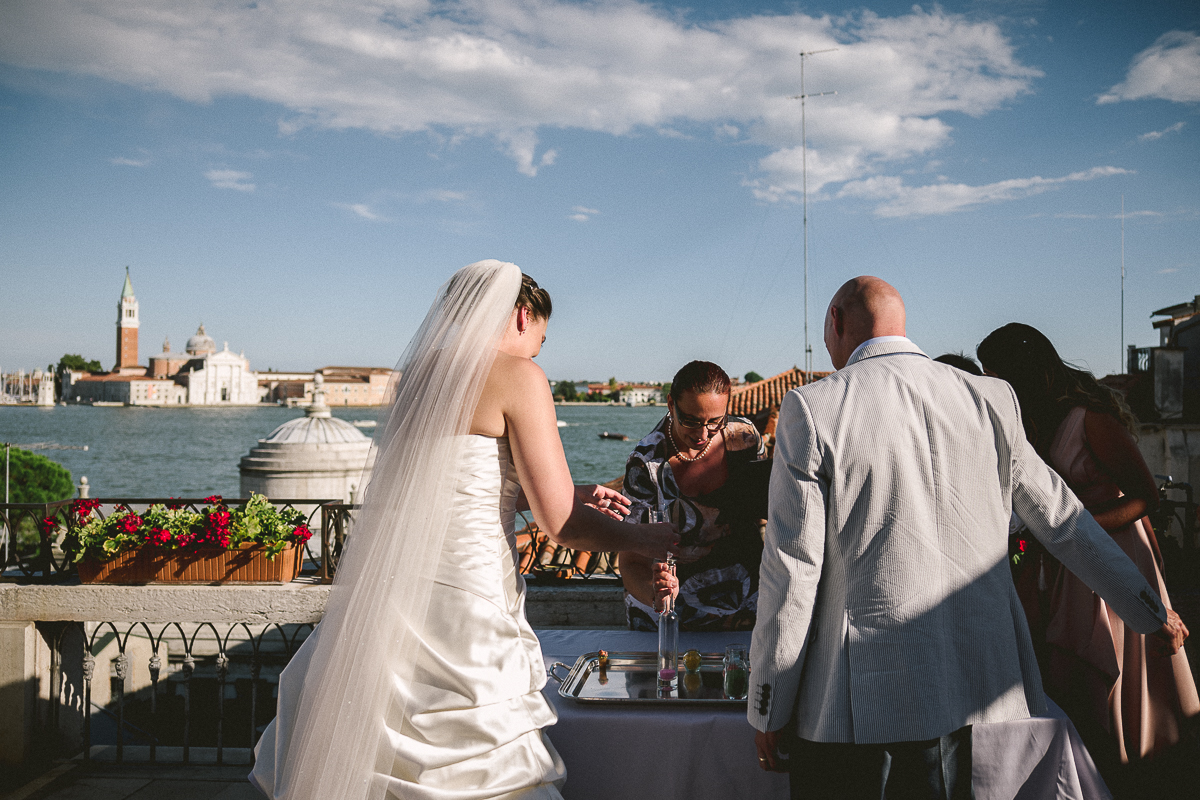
(447, 196)
(120, 161)
(1169, 69)
(1167, 271)
(230, 179)
(362, 210)
(1127, 215)
(583, 213)
(514, 69)
(898, 200)
(1155, 135)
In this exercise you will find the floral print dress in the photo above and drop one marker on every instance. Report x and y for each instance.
(720, 531)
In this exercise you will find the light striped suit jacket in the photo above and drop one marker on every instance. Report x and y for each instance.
(886, 608)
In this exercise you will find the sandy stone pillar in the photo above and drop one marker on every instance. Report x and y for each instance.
(18, 689)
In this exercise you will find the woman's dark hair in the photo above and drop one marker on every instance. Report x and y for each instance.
(701, 377)
(961, 361)
(1047, 387)
(534, 297)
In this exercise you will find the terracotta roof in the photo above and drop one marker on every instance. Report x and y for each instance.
(541, 557)
(94, 378)
(754, 398)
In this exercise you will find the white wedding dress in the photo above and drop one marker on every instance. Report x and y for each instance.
(475, 711)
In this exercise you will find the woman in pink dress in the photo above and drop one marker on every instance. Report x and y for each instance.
(1131, 703)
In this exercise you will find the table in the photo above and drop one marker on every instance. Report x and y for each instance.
(699, 753)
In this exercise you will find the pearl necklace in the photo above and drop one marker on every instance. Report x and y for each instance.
(679, 452)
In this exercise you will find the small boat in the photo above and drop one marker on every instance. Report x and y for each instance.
(562, 424)
(620, 437)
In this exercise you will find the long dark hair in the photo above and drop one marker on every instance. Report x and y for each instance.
(1047, 387)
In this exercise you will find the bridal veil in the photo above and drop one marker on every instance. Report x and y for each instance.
(334, 744)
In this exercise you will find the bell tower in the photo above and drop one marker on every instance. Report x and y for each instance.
(127, 328)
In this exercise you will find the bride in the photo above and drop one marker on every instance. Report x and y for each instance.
(424, 678)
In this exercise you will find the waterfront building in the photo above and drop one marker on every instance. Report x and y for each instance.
(317, 456)
(632, 394)
(35, 387)
(343, 386)
(200, 376)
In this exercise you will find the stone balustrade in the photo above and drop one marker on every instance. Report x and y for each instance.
(143, 638)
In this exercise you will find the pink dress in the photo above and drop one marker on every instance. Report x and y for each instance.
(1098, 666)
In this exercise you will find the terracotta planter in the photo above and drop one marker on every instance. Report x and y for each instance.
(245, 564)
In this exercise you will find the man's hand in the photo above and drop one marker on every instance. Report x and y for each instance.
(767, 745)
(1171, 636)
(605, 500)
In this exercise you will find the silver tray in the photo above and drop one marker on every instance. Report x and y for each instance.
(632, 677)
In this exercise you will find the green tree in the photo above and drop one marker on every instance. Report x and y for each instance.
(612, 384)
(753, 377)
(77, 362)
(37, 479)
(566, 390)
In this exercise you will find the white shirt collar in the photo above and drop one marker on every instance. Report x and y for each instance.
(876, 340)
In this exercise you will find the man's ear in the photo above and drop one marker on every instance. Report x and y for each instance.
(839, 321)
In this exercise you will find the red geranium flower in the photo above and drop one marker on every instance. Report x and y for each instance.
(130, 523)
(159, 536)
(301, 534)
(48, 525)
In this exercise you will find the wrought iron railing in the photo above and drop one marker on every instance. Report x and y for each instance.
(161, 713)
(31, 547)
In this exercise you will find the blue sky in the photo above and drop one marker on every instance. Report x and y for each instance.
(301, 176)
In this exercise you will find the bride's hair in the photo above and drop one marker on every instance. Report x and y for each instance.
(534, 297)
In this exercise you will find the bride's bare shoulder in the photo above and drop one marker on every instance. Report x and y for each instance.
(512, 382)
(514, 373)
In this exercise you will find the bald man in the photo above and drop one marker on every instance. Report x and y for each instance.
(888, 623)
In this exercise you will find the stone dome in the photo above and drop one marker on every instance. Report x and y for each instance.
(312, 429)
(201, 344)
(317, 456)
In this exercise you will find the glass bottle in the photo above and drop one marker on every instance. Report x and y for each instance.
(668, 641)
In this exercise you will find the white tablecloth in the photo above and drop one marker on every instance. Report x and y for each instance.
(699, 753)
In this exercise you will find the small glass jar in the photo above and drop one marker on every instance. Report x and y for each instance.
(736, 672)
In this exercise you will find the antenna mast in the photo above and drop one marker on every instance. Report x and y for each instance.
(1123, 355)
(804, 171)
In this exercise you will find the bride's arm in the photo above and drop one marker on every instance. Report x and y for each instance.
(546, 479)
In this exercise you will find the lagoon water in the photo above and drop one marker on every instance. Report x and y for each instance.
(194, 452)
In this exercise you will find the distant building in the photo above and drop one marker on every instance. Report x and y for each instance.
(285, 388)
(344, 386)
(127, 332)
(639, 394)
(201, 375)
(356, 386)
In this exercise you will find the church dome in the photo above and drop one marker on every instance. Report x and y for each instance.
(201, 344)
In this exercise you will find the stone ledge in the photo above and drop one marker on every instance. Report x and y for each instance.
(296, 602)
(584, 606)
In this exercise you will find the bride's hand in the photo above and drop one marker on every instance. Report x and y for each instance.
(603, 499)
(657, 540)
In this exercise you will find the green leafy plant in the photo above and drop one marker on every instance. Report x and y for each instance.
(172, 526)
(34, 478)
